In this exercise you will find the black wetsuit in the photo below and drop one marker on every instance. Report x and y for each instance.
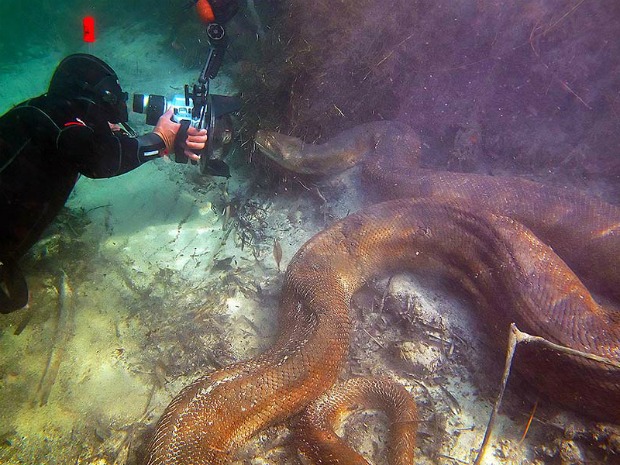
(45, 144)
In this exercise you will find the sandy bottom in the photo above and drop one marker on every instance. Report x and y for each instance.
(170, 275)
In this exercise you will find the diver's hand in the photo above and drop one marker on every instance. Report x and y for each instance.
(195, 142)
(167, 130)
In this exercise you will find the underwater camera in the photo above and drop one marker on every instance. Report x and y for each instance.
(200, 109)
(215, 117)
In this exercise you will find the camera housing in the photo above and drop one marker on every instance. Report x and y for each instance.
(214, 116)
(153, 106)
(200, 109)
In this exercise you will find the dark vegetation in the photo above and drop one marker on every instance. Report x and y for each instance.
(528, 87)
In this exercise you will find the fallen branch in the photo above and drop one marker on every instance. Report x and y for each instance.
(515, 337)
(64, 329)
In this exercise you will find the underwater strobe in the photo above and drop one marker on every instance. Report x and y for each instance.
(201, 109)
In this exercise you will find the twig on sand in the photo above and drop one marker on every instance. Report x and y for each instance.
(376, 341)
(515, 337)
(386, 291)
(64, 329)
(529, 423)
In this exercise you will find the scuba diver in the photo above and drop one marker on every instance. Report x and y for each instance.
(79, 127)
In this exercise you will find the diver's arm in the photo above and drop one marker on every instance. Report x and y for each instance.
(133, 152)
(130, 153)
(138, 150)
(102, 153)
(150, 146)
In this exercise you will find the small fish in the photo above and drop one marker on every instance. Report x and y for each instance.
(224, 264)
(226, 216)
(277, 252)
(159, 373)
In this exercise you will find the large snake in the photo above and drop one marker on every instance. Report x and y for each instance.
(500, 238)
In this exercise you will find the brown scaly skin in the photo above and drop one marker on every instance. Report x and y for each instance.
(583, 230)
(314, 430)
(511, 274)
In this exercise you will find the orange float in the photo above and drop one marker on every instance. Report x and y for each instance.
(205, 11)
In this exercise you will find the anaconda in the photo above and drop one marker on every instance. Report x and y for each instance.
(497, 237)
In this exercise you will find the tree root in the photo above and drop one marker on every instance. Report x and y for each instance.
(515, 337)
(64, 329)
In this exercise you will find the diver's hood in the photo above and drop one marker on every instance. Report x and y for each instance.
(86, 77)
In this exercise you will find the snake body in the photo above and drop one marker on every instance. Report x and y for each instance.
(492, 236)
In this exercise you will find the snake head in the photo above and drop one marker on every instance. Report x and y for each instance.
(285, 150)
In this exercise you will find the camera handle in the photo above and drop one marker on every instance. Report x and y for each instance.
(206, 107)
(218, 43)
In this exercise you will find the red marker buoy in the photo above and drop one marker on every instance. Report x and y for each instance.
(88, 26)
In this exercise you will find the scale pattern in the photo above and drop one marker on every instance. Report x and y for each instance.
(494, 236)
